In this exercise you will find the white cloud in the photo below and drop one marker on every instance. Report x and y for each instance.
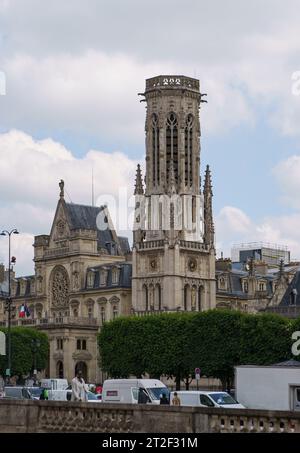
(287, 174)
(84, 78)
(233, 226)
(30, 171)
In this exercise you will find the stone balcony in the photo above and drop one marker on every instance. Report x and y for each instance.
(172, 81)
(160, 243)
(54, 253)
(57, 321)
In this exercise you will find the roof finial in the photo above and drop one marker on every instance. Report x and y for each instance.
(61, 186)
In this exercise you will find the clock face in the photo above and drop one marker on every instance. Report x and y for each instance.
(192, 264)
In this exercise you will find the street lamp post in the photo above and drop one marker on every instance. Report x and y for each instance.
(8, 306)
(35, 346)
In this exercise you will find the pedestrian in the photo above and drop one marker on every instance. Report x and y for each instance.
(163, 399)
(44, 395)
(79, 388)
(176, 400)
(98, 389)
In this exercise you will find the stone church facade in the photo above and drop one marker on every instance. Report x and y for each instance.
(85, 274)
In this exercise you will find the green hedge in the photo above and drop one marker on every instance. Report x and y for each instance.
(174, 344)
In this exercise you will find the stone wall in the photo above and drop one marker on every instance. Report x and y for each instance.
(56, 416)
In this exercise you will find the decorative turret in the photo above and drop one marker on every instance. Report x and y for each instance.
(209, 229)
(138, 188)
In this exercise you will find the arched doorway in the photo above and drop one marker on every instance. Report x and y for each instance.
(81, 366)
(60, 369)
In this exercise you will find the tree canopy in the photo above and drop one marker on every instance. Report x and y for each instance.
(174, 344)
(23, 350)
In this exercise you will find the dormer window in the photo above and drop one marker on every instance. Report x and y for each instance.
(90, 279)
(23, 284)
(245, 287)
(261, 286)
(103, 278)
(222, 284)
(115, 276)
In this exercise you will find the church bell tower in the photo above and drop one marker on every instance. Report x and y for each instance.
(173, 250)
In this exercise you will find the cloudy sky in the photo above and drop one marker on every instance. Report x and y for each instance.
(73, 69)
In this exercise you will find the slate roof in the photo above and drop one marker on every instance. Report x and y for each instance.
(28, 279)
(287, 298)
(85, 217)
(235, 288)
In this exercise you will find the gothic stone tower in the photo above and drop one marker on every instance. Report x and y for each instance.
(173, 249)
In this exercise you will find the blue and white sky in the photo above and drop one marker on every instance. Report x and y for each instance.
(73, 69)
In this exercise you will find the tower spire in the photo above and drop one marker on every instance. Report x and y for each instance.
(138, 188)
(209, 229)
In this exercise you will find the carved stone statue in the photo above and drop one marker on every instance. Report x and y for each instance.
(61, 186)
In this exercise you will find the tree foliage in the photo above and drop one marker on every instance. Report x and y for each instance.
(23, 351)
(175, 344)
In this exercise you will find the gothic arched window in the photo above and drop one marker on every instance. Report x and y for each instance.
(172, 145)
(102, 315)
(155, 150)
(188, 146)
(115, 311)
(145, 297)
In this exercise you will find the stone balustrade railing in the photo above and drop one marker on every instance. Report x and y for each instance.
(60, 320)
(60, 416)
(159, 243)
(53, 253)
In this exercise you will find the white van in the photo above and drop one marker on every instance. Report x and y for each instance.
(133, 391)
(54, 384)
(207, 399)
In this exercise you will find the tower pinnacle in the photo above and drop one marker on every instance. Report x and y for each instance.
(138, 188)
(209, 229)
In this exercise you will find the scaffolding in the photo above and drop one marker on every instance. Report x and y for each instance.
(268, 252)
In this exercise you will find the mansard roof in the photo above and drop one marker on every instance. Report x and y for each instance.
(235, 279)
(85, 217)
(124, 280)
(295, 284)
(28, 279)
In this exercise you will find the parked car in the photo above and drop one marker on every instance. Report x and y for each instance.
(21, 392)
(207, 399)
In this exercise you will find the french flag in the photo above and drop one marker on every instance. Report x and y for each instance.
(22, 311)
